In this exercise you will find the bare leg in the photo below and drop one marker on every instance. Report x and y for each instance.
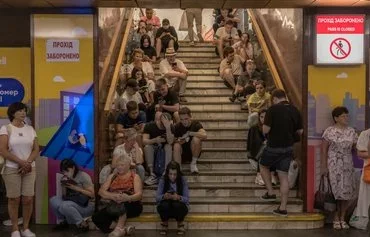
(158, 47)
(177, 151)
(228, 77)
(13, 205)
(176, 117)
(171, 44)
(220, 48)
(284, 189)
(121, 222)
(196, 147)
(266, 176)
(27, 208)
(343, 209)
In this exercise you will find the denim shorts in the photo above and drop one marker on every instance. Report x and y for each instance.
(277, 158)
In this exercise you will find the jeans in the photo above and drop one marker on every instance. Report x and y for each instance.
(191, 14)
(70, 211)
(172, 209)
(141, 172)
(149, 155)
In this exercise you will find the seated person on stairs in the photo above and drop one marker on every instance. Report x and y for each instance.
(189, 135)
(165, 100)
(225, 36)
(157, 135)
(172, 198)
(246, 82)
(166, 37)
(231, 67)
(257, 101)
(133, 118)
(132, 150)
(146, 87)
(175, 72)
(138, 62)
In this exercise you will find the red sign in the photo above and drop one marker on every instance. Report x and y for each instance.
(340, 24)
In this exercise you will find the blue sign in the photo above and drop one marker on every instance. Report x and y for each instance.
(11, 90)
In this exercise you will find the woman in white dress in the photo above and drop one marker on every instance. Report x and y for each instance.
(360, 217)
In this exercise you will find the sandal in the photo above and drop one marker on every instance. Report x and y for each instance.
(129, 230)
(164, 229)
(344, 225)
(337, 225)
(181, 229)
(117, 232)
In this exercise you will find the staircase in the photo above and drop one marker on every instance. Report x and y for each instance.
(223, 196)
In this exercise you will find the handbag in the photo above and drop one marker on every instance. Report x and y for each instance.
(77, 197)
(2, 159)
(366, 174)
(116, 209)
(324, 198)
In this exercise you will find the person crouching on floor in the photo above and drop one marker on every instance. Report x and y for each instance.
(189, 136)
(173, 198)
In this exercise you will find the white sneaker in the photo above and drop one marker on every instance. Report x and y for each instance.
(9, 222)
(28, 233)
(274, 180)
(194, 168)
(151, 180)
(254, 164)
(16, 234)
(259, 180)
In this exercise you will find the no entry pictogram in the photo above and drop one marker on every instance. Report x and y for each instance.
(340, 48)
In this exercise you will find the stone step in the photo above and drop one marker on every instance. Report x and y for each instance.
(224, 189)
(205, 99)
(184, 44)
(227, 132)
(224, 123)
(221, 176)
(197, 49)
(229, 204)
(198, 72)
(200, 60)
(203, 78)
(231, 153)
(222, 164)
(218, 84)
(213, 106)
(192, 65)
(200, 115)
(229, 142)
(181, 55)
(208, 90)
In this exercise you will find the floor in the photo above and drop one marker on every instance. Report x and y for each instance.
(46, 231)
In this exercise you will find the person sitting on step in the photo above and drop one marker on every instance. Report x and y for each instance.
(150, 55)
(146, 87)
(223, 16)
(166, 37)
(133, 118)
(225, 36)
(132, 150)
(245, 84)
(124, 190)
(173, 198)
(175, 71)
(150, 18)
(165, 100)
(189, 135)
(138, 62)
(231, 67)
(157, 133)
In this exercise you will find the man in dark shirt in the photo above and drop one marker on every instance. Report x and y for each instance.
(283, 127)
(225, 15)
(189, 135)
(166, 100)
(158, 132)
(133, 118)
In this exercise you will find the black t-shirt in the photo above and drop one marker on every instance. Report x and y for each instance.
(171, 29)
(128, 122)
(149, 51)
(284, 120)
(153, 130)
(180, 130)
(220, 18)
(170, 99)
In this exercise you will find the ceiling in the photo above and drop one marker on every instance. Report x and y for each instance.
(184, 3)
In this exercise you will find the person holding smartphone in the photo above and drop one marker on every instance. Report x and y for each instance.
(173, 198)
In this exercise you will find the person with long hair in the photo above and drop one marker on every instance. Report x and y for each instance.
(75, 205)
(338, 142)
(173, 198)
(244, 47)
(19, 147)
(137, 61)
(150, 54)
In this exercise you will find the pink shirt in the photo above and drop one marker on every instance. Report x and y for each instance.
(155, 21)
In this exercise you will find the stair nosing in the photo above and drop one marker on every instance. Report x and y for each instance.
(204, 185)
(217, 111)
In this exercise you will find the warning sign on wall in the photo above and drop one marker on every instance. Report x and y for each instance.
(340, 39)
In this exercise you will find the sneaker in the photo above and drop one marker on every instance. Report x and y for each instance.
(194, 168)
(274, 180)
(151, 180)
(28, 233)
(129, 230)
(268, 197)
(232, 98)
(61, 226)
(253, 163)
(191, 43)
(259, 180)
(9, 222)
(279, 212)
(16, 234)
(200, 37)
(183, 99)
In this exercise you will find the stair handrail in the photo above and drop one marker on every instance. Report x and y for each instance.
(293, 93)
(117, 68)
(266, 51)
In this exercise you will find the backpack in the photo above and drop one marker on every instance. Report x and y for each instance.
(159, 160)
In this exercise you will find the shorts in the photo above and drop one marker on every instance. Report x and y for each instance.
(277, 158)
(187, 154)
(19, 185)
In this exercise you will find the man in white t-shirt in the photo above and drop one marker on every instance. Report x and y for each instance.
(175, 71)
(231, 67)
(226, 36)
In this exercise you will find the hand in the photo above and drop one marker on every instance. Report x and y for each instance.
(160, 140)
(124, 197)
(176, 197)
(158, 107)
(167, 196)
(146, 58)
(163, 34)
(132, 165)
(73, 187)
(181, 141)
(116, 197)
(166, 122)
(324, 171)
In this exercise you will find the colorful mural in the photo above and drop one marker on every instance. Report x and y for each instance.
(64, 121)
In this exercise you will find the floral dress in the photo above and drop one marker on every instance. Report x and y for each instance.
(340, 164)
